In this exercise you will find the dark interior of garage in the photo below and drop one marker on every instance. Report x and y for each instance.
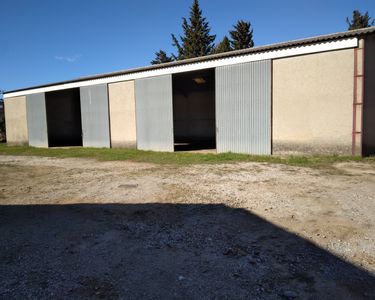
(64, 118)
(194, 110)
(368, 131)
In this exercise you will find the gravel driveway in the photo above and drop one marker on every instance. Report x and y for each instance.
(77, 228)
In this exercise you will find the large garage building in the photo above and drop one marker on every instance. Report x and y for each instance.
(314, 95)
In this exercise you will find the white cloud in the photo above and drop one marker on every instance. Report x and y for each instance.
(70, 59)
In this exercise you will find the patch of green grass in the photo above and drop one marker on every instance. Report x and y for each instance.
(176, 158)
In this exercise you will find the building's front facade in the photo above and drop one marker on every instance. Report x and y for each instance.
(308, 96)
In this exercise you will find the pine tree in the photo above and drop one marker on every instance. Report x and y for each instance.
(196, 39)
(223, 46)
(161, 57)
(359, 21)
(241, 36)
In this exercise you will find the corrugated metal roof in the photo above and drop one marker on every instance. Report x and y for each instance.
(293, 43)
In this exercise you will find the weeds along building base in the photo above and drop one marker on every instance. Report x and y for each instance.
(314, 95)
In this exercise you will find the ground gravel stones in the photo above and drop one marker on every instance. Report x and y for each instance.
(74, 228)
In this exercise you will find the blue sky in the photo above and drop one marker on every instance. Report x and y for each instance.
(49, 40)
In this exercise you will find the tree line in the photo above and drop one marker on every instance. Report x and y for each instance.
(197, 40)
(359, 20)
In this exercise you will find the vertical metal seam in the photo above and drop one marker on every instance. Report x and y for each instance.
(358, 102)
(80, 107)
(135, 113)
(271, 108)
(45, 109)
(354, 101)
(363, 92)
(109, 118)
(45, 118)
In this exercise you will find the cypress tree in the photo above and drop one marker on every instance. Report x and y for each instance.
(161, 57)
(359, 21)
(241, 36)
(223, 46)
(196, 39)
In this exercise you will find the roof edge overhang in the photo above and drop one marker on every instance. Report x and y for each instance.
(342, 40)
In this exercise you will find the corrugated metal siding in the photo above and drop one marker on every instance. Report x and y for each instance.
(36, 120)
(95, 119)
(154, 113)
(243, 108)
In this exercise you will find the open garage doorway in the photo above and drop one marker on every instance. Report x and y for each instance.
(194, 110)
(63, 110)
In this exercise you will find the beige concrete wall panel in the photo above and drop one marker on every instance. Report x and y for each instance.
(15, 120)
(313, 103)
(122, 114)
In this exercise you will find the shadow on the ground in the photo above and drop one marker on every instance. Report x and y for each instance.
(164, 251)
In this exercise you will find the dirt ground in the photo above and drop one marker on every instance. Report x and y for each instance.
(79, 228)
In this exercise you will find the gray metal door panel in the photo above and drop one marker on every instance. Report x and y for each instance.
(243, 108)
(154, 113)
(36, 120)
(95, 119)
